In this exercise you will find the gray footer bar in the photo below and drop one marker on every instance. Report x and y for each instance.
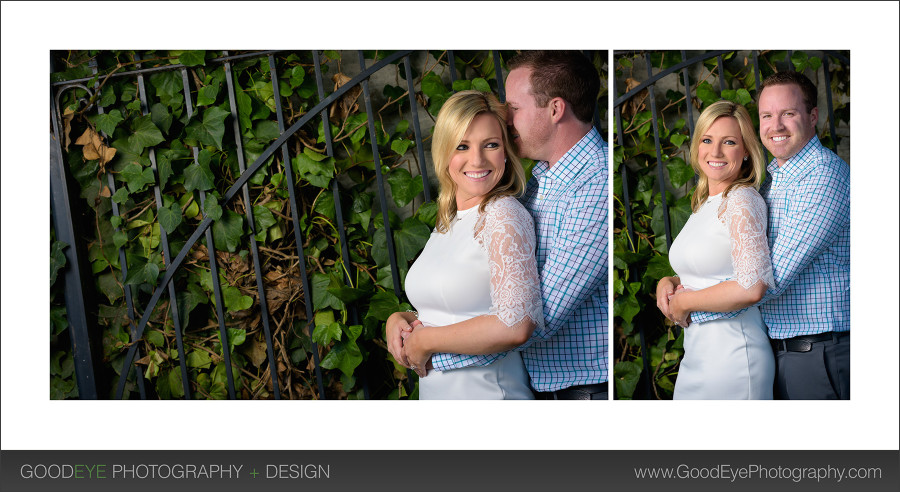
(397, 471)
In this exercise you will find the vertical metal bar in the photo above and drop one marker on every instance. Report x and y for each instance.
(248, 205)
(789, 62)
(645, 374)
(659, 168)
(498, 72)
(76, 313)
(831, 123)
(123, 262)
(721, 62)
(758, 81)
(687, 95)
(379, 179)
(414, 115)
(451, 58)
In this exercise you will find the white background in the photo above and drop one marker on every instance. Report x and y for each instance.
(31, 421)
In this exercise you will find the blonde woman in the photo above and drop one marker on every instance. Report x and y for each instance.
(722, 260)
(478, 268)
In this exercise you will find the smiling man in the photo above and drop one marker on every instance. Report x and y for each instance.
(808, 194)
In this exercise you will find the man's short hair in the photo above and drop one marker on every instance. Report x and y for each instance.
(810, 94)
(565, 74)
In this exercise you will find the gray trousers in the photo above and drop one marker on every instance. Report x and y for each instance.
(823, 373)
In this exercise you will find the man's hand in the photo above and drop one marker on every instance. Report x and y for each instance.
(665, 289)
(396, 329)
(417, 356)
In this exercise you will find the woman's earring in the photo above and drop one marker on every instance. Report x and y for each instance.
(745, 158)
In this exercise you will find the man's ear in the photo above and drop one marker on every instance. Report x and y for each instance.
(557, 107)
(814, 116)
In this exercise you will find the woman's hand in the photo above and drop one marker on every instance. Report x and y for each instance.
(397, 328)
(678, 309)
(664, 290)
(418, 356)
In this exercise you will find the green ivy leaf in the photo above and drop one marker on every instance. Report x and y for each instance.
(266, 131)
(198, 176)
(211, 129)
(236, 337)
(461, 85)
(743, 97)
(479, 84)
(324, 334)
(170, 217)
(140, 272)
(107, 122)
(211, 208)
(320, 283)
(264, 219)
(207, 95)
(627, 375)
(192, 58)
(679, 171)
(161, 117)
(348, 294)
(57, 259)
(120, 196)
(199, 359)
(401, 145)
(658, 267)
(427, 213)
(137, 177)
(156, 338)
(315, 168)
(344, 356)
(227, 231)
(410, 239)
(706, 93)
(404, 187)
(145, 134)
(297, 76)
(382, 305)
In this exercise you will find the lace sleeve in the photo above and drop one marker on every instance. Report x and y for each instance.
(745, 216)
(507, 233)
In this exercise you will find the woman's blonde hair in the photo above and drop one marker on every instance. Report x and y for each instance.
(452, 123)
(753, 170)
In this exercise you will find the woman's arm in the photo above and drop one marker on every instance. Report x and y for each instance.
(720, 298)
(476, 336)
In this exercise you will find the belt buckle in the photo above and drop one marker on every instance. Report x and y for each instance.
(803, 345)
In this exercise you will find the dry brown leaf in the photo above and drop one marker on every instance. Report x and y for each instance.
(636, 104)
(347, 104)
(94, 147)
(68, 114)
(105, 192)
(255, 351)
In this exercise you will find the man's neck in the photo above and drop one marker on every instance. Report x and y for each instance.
(782, 162)
(566, 137)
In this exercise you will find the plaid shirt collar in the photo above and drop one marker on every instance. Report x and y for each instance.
(570, 165)
(799, 164)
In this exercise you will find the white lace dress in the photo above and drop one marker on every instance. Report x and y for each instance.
(725, 359)
(484, 265)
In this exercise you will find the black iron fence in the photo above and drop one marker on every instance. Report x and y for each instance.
(148, 288)
(658, 97)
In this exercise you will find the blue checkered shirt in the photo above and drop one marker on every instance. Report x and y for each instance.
(569, 203)
(809, 236)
